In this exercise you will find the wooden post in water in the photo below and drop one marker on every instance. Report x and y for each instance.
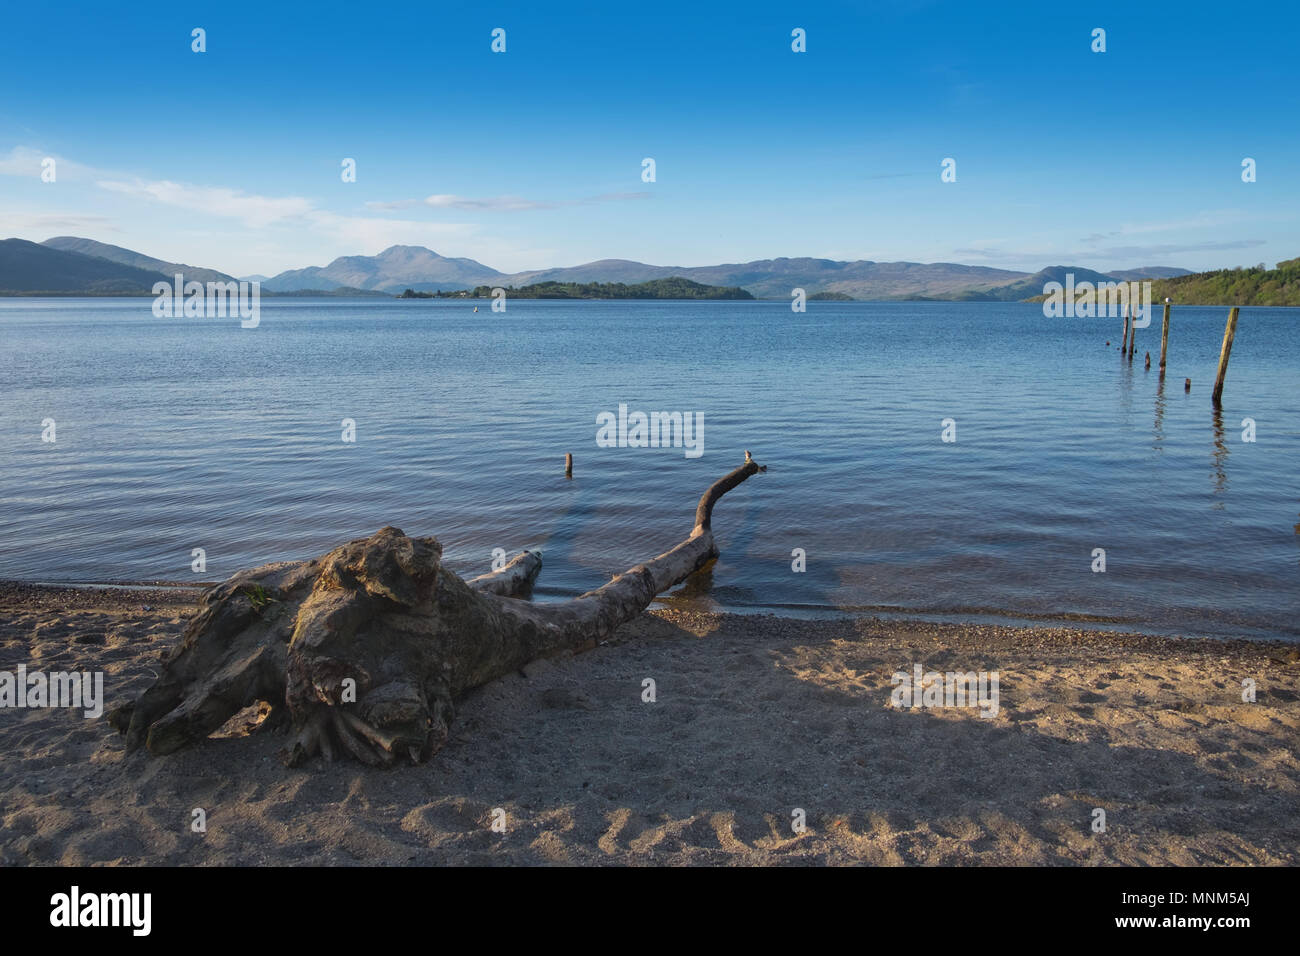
(568, 465)
(1132, 333)
(1123, 346)
(1148, 365)
(1164, 336)
(1229, 333)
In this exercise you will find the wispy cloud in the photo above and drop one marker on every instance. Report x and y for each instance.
(260, 212)
(371, 234)
(253, 210)
(21, 222)
(992, 253)
(26, 161)
(449, 201)
(1129, 252)
(1202, 220)
(501, 203)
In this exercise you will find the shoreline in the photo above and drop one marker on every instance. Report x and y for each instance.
(166, 592)
(756, 716)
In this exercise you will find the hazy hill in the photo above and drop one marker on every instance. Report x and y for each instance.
(414, 267)
(775, 278)
(602, 270)
(1032, 285)
(92, 267)
(126, 257)
(32, 267)
(394, 269)
(1150, 272)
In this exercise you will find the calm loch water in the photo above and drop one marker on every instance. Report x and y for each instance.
(175, 434)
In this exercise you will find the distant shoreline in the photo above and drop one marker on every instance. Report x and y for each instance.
(815, 297)
(302, 293)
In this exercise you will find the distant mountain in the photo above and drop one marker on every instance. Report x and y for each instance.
(394, 269)
(826, 278)
(602, 270)
(28, 267)
(1031, 286)
(420, 269)
(776, 278)
(102, 250)
(99, 268)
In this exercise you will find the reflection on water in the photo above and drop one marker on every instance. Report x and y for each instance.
(1160, 414)
(1220, 457)
(1125, 385)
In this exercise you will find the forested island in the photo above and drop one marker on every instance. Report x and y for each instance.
(670, 288)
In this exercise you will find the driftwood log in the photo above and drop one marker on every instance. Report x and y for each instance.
(362, 651)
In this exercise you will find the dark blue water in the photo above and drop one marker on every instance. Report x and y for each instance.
(180, 433)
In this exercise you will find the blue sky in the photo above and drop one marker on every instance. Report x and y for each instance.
(532, 158)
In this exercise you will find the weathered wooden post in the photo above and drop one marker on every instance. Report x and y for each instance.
(568, 465)
(1229, 333)
(1187, 385)
(1148, 365)
(1132, 334)
(1123, 346)
(1164, 337)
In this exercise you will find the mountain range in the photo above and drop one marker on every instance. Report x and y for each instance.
(70, 265)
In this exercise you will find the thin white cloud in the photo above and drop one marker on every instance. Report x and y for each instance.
(242, 232)
(367, 235)
(1202, 220)
(1137, 255)
(495, 203)
(1129, 252)
(253, 210)
(260, 212)
(24, 161)
(500, 203)
(47, 224)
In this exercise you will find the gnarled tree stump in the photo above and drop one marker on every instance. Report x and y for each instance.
(362, 651)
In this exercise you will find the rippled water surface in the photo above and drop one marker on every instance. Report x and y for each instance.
(174, 434)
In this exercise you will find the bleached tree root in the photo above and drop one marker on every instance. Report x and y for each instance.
(362, 651)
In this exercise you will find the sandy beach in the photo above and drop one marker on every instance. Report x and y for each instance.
(754, 718)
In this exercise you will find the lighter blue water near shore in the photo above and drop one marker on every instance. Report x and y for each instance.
(181, 433)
